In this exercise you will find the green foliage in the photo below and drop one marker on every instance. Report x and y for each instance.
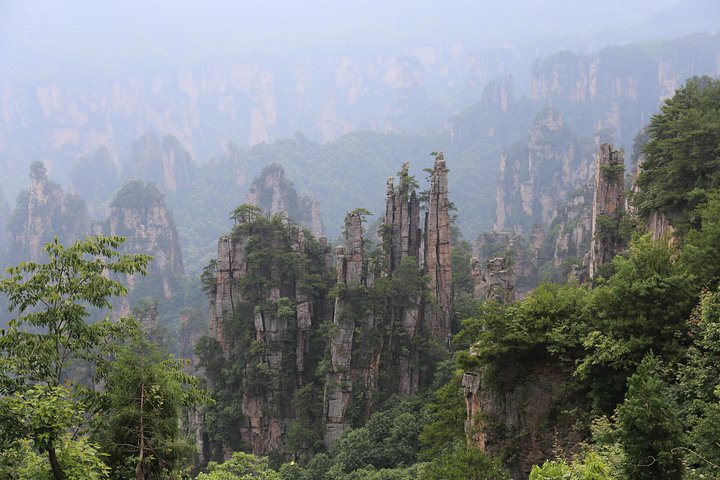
(51, 332)
(317, 468)
(246, 213)
(607, 229)
(642, 307)
(39, 419)
(463, 462)
(40, 413)
(146, 390)
(649, 427)
(363, 212)
(543, 325)
(79, 460)
(295, 472)
(276, 261)
(703, 456)
(446, 413)
(700, 246)
(551, 470)
(601, 334)
(461, 275)
(389, 439)
(304, 436)
(611, 171)
(60, 215)
(699, 389)
(606, 447)
(137, 194)
(639, 307)
(593, 467)
(683, 153)
(589, 466)
(241, 466)
(52, 300)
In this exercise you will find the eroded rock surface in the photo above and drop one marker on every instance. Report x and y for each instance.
(608, 207)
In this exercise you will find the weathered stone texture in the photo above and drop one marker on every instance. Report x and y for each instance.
(658, 224)
(372, 352)
(344, 375)
(150, 229)
(536, 173)
(574, 227)
(231, 266)
(497, 282)
(275, 194)
(438, 250)
(357, 366)
(516, 405)
(402, 218)
(164, 162)
(43, 213)
(280, 340)
(608, 207)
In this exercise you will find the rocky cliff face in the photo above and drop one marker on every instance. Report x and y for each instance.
(42, 213)
(138, 212)
(549, 252)
(510, 405)
(376, 350)
(537, 173)
(350, 383)
(496, 282)
(437, 251)
(274, 193)
(402, 221)
(512, 408)
(325, 96)
(573, 228)
(267, 302)
(619, 88)
(608, 207)
(164, 162)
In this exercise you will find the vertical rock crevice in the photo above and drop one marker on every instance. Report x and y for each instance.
(383, 315)
(496, 283)
(376, 350)
(344, 378)
(608, 207)
(438, 249)
(266, 306)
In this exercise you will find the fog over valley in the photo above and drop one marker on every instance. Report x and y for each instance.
(343, 240)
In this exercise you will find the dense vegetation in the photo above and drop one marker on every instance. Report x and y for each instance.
(683, 154)
(631, 361)
(633, 356)
(247, 366)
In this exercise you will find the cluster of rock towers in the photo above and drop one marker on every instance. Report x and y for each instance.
(362, 367)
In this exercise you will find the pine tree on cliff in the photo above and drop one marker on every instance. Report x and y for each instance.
(683, 154)
(650, 430)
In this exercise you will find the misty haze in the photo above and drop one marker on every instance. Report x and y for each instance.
(344, 240)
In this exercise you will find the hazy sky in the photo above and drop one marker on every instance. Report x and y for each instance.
(177, 31)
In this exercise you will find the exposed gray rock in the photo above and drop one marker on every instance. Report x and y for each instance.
(608, 207)
(438, 249)
(497, 282)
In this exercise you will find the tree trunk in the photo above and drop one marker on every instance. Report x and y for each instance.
(139, 475)
(57, 471)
